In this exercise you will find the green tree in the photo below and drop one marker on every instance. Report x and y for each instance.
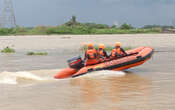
(126, 26)
(114, 26)
(73, 22)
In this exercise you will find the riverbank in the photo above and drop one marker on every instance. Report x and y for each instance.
(41, 30)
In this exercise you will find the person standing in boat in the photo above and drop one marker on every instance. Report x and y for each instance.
(102, 53)
(91, 55)
(117, 51)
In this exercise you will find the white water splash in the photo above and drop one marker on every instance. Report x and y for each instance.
(19, 77)
(12, 77)
(105, 73)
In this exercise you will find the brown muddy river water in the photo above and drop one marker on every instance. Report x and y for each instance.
(27, 83)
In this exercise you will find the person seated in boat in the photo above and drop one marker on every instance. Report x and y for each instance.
(102, 53)
(117, 51)
(91, 55)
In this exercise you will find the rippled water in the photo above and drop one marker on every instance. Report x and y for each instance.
(27, 83)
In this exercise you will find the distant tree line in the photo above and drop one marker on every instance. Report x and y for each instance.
(158, 26)
(73, 22)
(75, 27)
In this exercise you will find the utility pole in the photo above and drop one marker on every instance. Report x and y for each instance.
(7, 17)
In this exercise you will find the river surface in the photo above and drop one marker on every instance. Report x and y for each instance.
(27, 83)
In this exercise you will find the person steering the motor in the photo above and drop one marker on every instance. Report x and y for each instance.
(117, 51)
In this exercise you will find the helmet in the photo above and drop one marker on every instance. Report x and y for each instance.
(117, 44)
(101, 46)
(90, 45)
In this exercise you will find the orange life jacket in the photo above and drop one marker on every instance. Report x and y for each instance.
(116, 51)
(91, 54)
(101, 53)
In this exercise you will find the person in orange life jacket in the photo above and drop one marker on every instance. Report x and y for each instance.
(102, 53)
(91, 55)
(117, 51)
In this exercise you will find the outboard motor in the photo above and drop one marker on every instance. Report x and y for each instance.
(76, 62)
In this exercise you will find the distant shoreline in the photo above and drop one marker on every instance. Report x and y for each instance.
(74, 27)
(91, 34)
(74, 31)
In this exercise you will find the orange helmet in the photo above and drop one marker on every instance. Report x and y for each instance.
(101, 46)
(117, 44)
(90, 45)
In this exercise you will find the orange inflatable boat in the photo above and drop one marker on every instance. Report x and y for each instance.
(133, 58)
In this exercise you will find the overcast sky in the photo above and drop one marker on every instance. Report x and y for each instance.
(55, 12)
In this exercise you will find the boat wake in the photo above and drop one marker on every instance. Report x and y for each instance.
(105, 73)
(25, 77)
(17, 77)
